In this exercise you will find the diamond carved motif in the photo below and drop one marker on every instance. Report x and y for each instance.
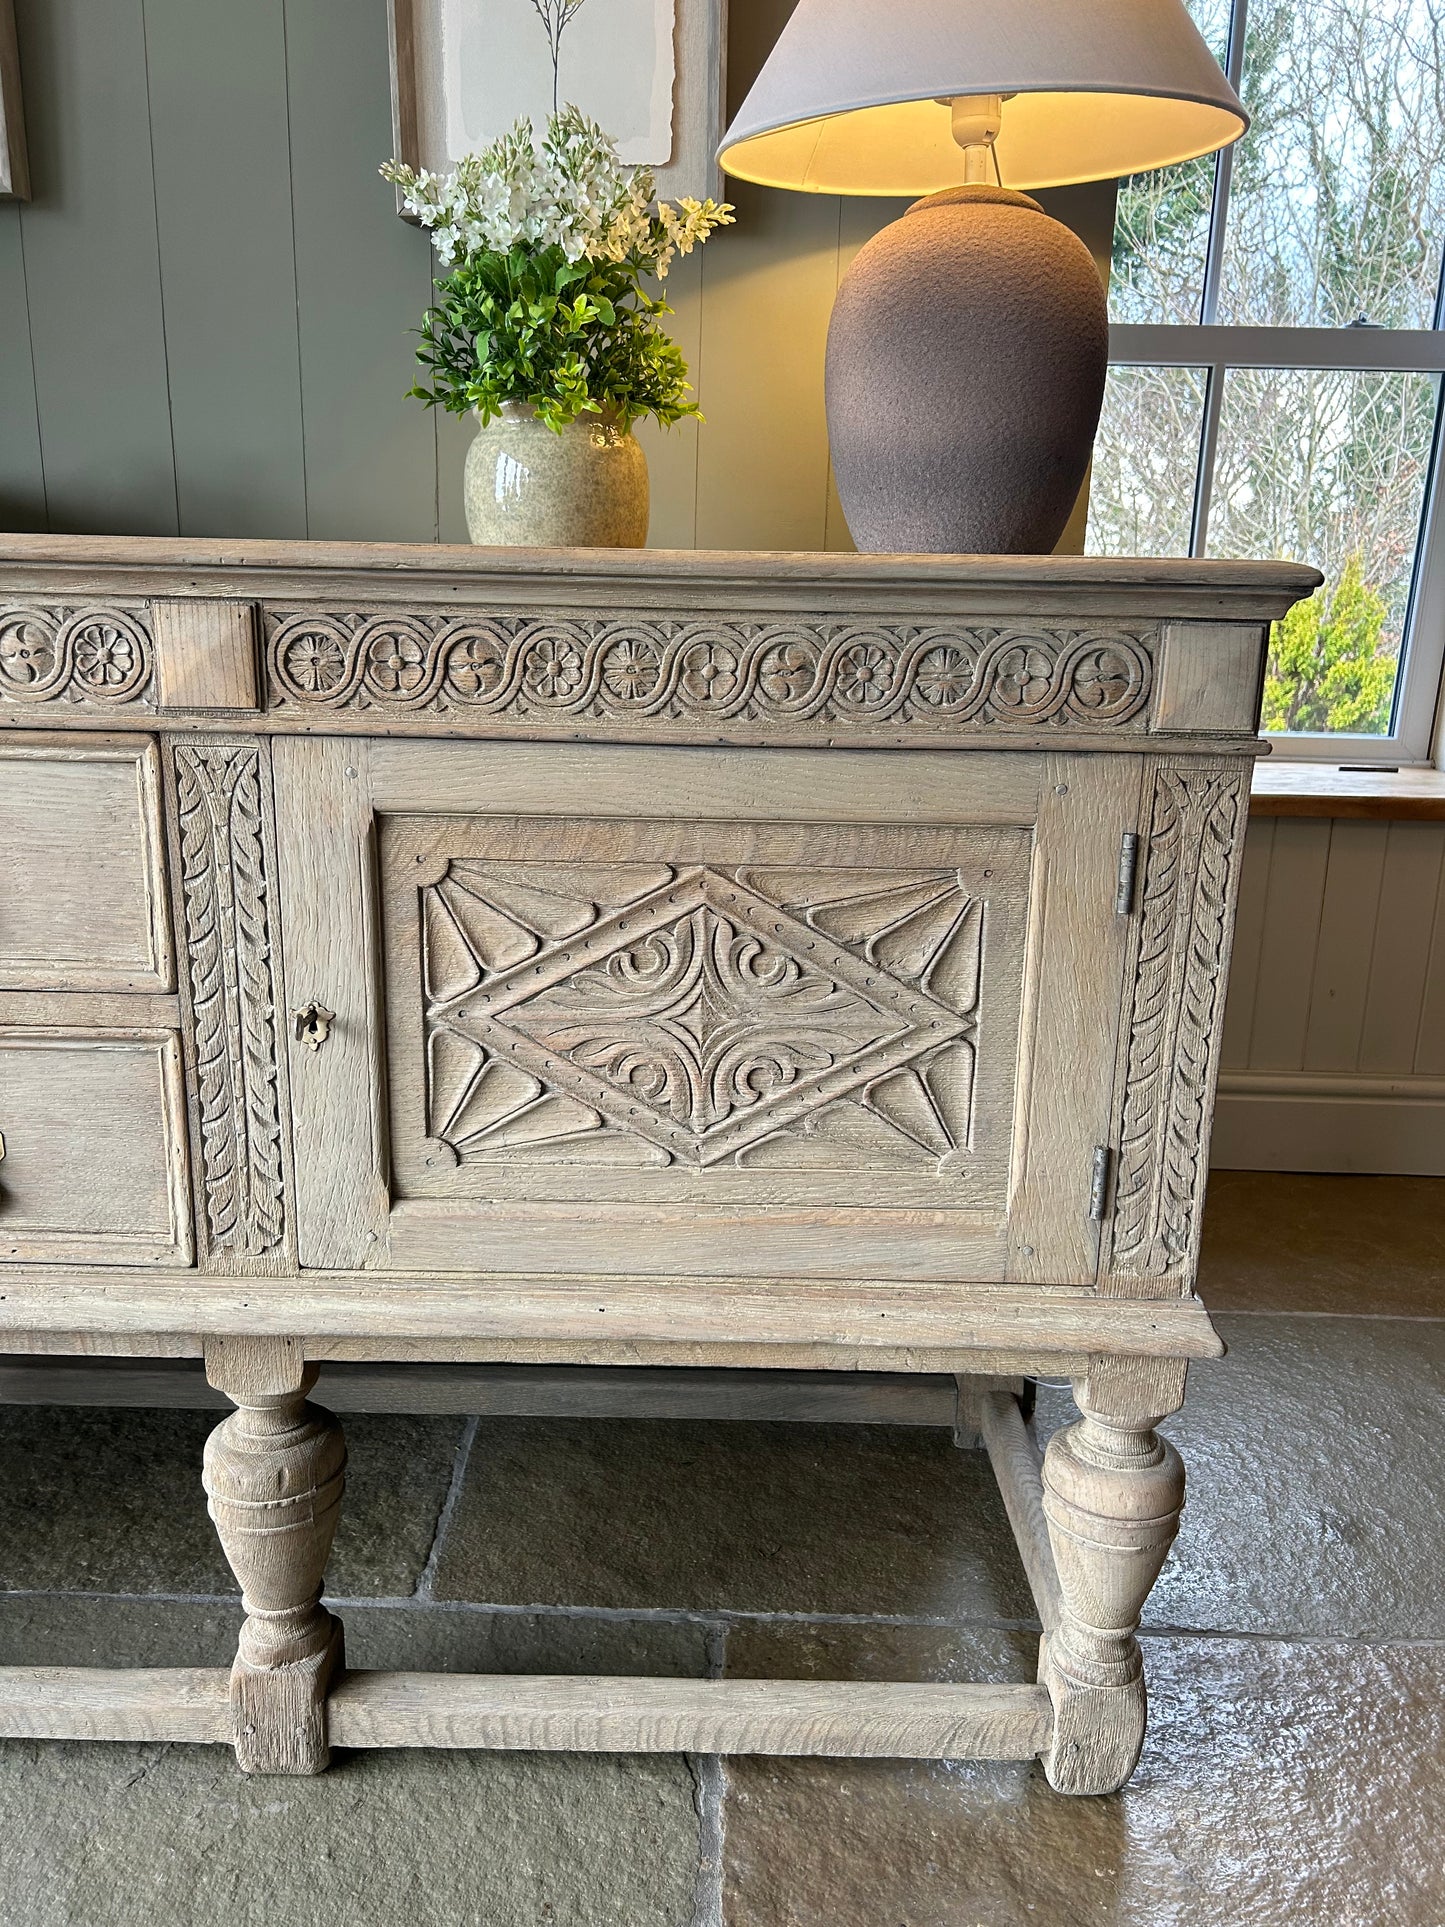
(646, 1014)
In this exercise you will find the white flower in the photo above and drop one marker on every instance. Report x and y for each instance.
(572, 192)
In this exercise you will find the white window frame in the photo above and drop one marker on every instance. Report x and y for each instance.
(1215, 348)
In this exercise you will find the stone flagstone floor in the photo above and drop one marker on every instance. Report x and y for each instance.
(1294, 1772)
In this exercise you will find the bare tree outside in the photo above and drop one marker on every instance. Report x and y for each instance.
(1335, 216)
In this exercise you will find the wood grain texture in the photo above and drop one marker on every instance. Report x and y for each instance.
(1208, 677)
(95, 1168)
(1072, 1013)
(833, 1719)
(816, 1717)
(555, 1316)
(205, 654)
(82, 867)
(326, 870)
(1120, 586)
(164, 1704)
(1312, 789)
(503, 1391)
(1019, 1471)
(274, 1474)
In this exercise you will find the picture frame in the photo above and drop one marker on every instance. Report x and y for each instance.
(14, 166)
(699, 54)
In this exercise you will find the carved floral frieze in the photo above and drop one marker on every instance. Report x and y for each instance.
(83, 655)
(712, 671)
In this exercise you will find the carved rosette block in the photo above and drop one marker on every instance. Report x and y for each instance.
(274, 1474)
(228, 918)
(97, 655)
(1113, 1490)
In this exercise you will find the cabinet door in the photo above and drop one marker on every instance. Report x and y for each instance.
(700, 1013)
(92, 1108)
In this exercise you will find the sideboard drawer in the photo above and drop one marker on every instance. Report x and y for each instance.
(94, 1170)
(82, 895)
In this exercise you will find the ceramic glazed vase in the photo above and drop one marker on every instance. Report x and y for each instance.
(966, 364)
(529, 487)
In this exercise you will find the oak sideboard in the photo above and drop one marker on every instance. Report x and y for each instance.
(648, 958)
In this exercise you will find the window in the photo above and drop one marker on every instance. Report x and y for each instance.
(1277, 354)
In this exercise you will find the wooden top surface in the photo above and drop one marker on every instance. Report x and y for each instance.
(1312, 789)
(1243, 590)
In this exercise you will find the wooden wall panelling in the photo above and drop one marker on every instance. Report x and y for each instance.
(1430, 1048)
(1248, 941)
(1344, 947)
(22, 473)
(673, 453)
(1412, 879)
(92, 269)
(768, 291)
(217, 84)
(363, 279)
(1299, 860)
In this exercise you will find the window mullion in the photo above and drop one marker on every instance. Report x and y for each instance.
(1223, 173)
(1208, 448)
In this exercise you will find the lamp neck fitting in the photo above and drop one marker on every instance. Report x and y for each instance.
(977, 119)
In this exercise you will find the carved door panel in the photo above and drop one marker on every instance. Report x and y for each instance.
(698, 1013)
(92, 1105)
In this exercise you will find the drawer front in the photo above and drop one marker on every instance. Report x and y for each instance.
(82, 896)
(95, 1163)
(692, 1013)
(92, 1103)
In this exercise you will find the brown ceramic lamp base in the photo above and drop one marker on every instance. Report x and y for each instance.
(966, 363)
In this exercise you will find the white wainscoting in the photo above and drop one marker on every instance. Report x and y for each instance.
(1334, 1041)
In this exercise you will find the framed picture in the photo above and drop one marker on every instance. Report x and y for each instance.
(14, 171)
(650, 71)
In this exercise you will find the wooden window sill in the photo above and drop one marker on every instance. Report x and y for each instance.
(1315, 789)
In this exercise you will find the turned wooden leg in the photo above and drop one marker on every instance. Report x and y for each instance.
(1112, 1494)
(273, 1475)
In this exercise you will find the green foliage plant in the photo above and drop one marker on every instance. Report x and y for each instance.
(1327, 671)
(548, 249)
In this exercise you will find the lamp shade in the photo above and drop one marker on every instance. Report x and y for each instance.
(853, 98)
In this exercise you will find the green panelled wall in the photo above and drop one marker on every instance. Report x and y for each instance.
(205, 312)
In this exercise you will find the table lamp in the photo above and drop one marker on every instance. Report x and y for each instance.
(969, 340)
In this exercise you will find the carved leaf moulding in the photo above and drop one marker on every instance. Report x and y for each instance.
(1178, 979)
(647, 1014)
(93, 653)
(711, 670)
(229, 928)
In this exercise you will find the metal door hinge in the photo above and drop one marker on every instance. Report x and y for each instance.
(1128, 873)
(1099, 1183)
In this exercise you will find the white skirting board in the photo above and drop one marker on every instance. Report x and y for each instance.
(1308, 1121)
